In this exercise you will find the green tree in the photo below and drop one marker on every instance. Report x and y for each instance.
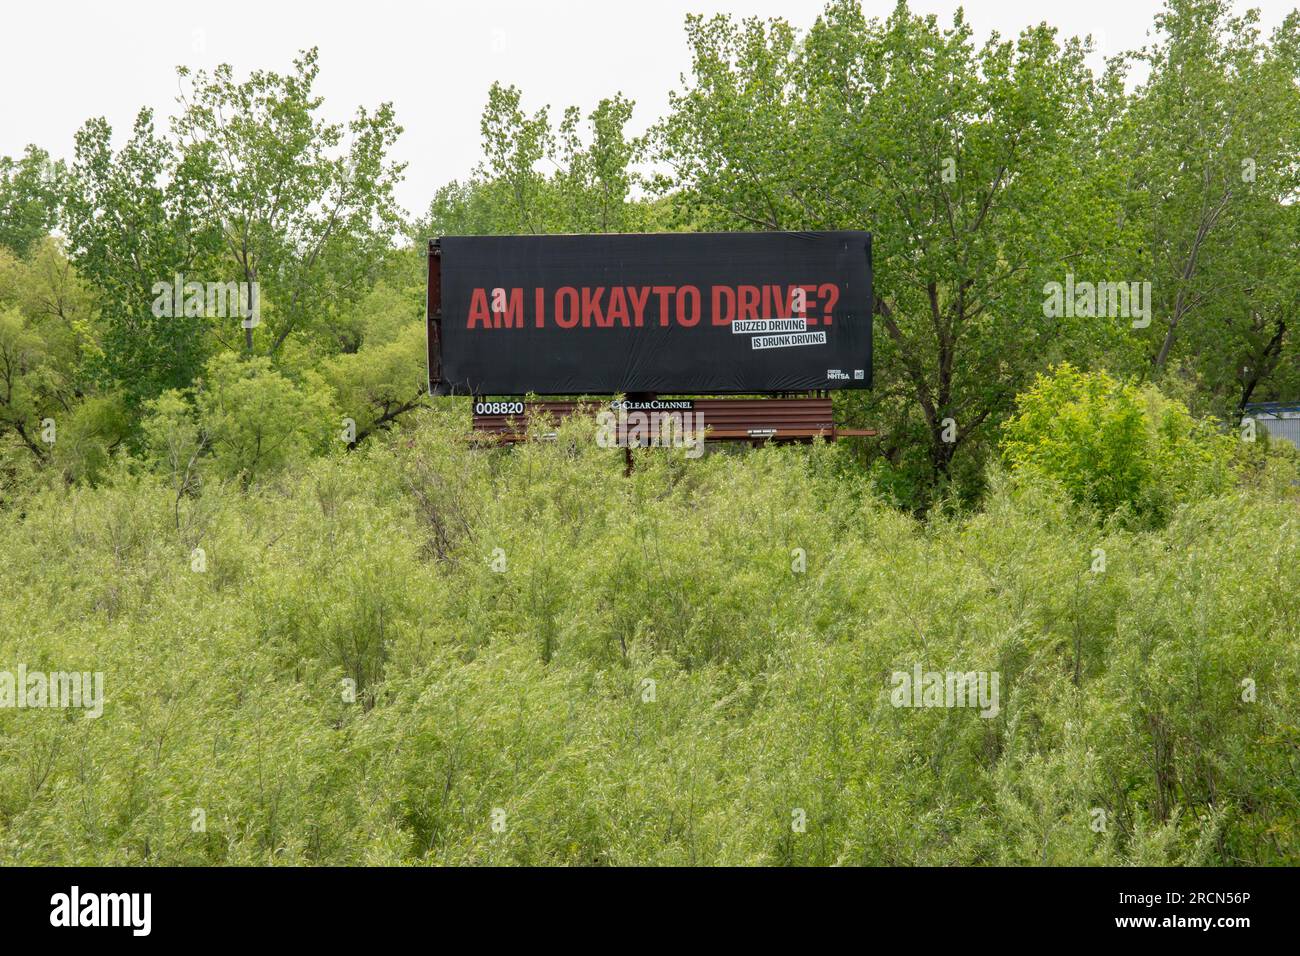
(303, 206)
(596, 180)
(132, 220)
(1208, 142)
(30, 191)
(251, 419)
(22, 353)
(46, 344)
(536, 179)
(969, 165)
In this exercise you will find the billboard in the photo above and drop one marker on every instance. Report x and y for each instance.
(675, 313)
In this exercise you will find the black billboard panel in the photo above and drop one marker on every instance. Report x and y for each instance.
(673, 313)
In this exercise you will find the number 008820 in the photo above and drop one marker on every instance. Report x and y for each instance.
(498, 408)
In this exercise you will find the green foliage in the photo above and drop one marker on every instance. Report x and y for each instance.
(350, 681)
(46, 336)
(380, 382)
(592, 188)
(131, 219)
(1207, 146)
(427, 650)
(297, 210)
(30, 190)
(88, 437)
(21, 352)
(1113, 446)
(911, 131)
(246, 418)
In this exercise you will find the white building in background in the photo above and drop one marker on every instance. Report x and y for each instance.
(1279, 419)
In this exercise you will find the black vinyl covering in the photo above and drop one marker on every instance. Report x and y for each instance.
(673, 313)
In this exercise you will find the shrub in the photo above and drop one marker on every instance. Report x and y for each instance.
(1115, 447)
(248, 419)
(673, 667)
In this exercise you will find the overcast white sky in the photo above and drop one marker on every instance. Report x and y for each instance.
(63, 62)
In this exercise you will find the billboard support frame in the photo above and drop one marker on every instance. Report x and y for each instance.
(433, 318)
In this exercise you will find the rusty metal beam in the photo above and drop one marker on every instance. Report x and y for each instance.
(726, 419)
(433, 318)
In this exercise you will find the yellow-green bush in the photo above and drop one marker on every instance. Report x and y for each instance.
(1114, 446)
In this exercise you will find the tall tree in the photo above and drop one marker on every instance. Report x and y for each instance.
(1209, 141)
(305, 207)
(30, 187)
(537, 179)
(968, 165)
(133, 220)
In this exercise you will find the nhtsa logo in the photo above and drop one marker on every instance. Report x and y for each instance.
(102, 909)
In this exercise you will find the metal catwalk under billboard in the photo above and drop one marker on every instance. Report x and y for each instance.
(673, 313)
